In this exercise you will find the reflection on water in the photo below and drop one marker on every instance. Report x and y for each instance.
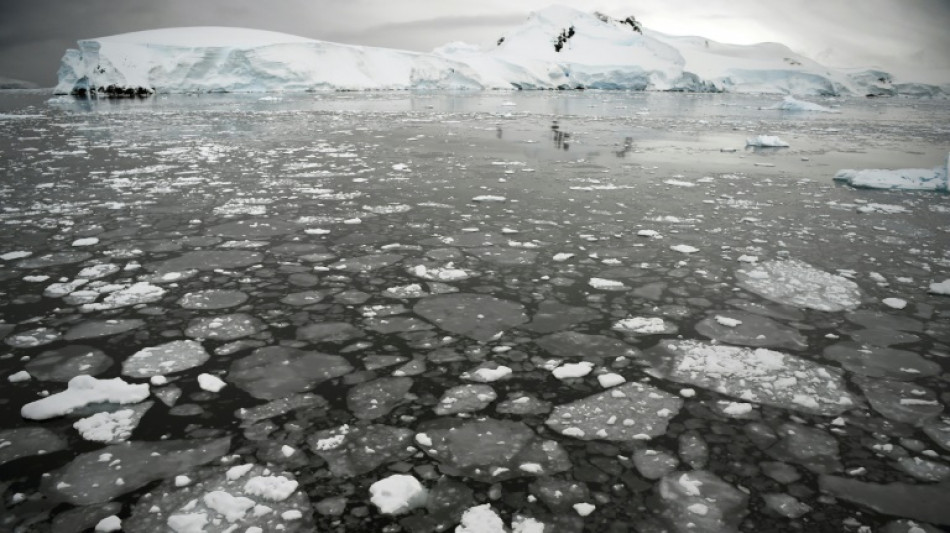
(560, 137)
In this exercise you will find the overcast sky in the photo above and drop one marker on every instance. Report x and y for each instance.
(893, 34)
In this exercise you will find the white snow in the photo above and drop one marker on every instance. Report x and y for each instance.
(766, 141)
(601, 54)
(728, 322)
(488, 375)
(397, 494)
(82, 391)
(10, 256)
(799, 284)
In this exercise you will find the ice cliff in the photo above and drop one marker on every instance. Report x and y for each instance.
(556, 48)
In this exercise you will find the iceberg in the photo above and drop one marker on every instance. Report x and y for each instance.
(556, 48)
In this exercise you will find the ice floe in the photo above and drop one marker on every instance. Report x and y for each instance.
(168, 358)
(799, 284)
(755, 375)
(923, 179)
(632, 411)
(397, 494)
(82, 391)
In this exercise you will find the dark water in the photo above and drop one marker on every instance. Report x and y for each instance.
(327, 206)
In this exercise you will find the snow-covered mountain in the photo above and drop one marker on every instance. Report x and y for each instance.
(556, 48)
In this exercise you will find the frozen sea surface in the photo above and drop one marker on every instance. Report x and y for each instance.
(586, 311)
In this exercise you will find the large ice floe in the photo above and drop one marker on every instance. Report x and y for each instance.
(799, 284)
(557, 47)
(755, 375)
(916, 179)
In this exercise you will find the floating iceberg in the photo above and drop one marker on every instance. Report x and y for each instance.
(918, 179)
(790, 103)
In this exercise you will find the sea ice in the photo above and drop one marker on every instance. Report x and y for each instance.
(278, 371)
(82, 391)
(934, 179)
(28, 441)
(790, 103)
(625, 413)
(755, 375)
(942, 287)
(63, 364)
(374, 399)
(801, 285)
(644, 326)
(766, 141)
(168, 358)
(465, 399)
(212, 299)
(700, 501)
(112, 427)
(91, 329)
(224, 327)
(398, 494)
(356, 450)
(491, 450)
(88, 479)
(478, 316)
(225, 502)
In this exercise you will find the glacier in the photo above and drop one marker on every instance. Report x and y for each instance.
(556, 48)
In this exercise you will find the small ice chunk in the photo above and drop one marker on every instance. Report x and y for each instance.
(610, 380)
(561, 257)
(398, 494)
(18, 377)
(271, 488)
(894, 303)
(210, 383)
(584, 508)
(480, 519)
(109, 524)
(728, 322)
(766, 141)
(942, 288)
(573, 370)
(684, 249)
(607, 284)
(88, 241)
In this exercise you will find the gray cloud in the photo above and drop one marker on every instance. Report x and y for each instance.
(34, 33)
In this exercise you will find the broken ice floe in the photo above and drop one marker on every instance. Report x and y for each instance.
(629, 412)
(766, 141)
(881, 362)
(82, 391)
(224, 327)
(920, 502)
(356, 450)
(27, 441)
(801, 285)
(212, 299)
(642, 325)
(63, 364)
(279, 371)
(168, 358)
(112, 427)
(900, 401)
(246, 498)
(478, 316)
(491, 450)
(748, 329)
(398, 494)
(934, 179)
(755, 375)
(103, 474)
